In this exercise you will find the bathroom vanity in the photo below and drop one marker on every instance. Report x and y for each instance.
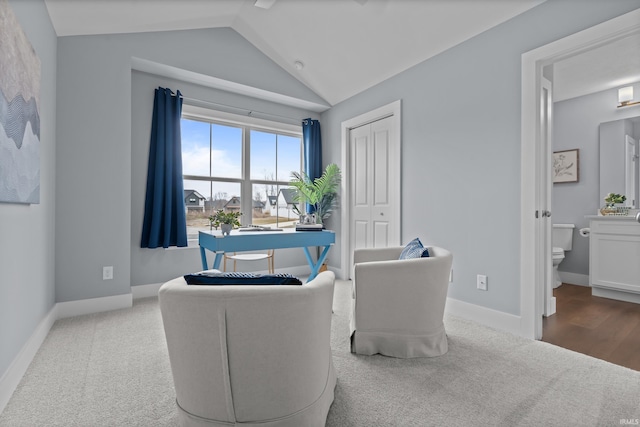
(614, 257)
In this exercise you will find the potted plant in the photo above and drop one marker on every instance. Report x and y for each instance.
(225, 220)
(321, 193)
(613, 198)
(613, 205)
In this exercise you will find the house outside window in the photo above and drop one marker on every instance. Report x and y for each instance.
(237, 164)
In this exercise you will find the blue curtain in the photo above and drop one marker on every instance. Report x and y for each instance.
(312, 141)
(164, 209)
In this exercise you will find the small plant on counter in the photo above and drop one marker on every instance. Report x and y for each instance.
(613, 198)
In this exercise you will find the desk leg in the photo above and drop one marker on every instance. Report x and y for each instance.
(323, 255)
(203, 257)
(216, 262)
(315, 266)
(314, 271)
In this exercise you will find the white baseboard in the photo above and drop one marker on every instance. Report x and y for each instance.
(11, 378)
(94, 305)
(615, 294)
(486, 316)
(145, 291)
(574, 278)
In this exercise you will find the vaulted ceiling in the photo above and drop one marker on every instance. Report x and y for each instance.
(337, 48)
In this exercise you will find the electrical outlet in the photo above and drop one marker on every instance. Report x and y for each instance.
(482, 282)
(107, 273)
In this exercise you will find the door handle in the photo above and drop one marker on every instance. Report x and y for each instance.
(546, 213)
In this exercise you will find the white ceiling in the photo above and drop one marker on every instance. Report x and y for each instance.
(346, 46)
(605, 67)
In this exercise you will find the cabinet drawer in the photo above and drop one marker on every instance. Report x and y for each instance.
(627, 228)
(613, 262)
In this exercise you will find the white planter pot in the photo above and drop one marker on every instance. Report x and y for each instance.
(226, 229)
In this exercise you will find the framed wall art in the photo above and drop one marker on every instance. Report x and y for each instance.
(566, 166)
(19, 113)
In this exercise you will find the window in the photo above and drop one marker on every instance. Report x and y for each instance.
(238, 164)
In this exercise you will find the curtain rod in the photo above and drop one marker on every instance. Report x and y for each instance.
(247, 111)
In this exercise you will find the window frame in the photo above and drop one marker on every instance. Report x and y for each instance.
(247, 124)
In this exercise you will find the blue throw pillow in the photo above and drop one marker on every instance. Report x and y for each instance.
(414, 249)
(235, 278)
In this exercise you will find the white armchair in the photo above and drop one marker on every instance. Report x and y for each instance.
(398, 305)
(250, 355)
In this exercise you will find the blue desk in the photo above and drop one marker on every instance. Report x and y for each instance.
(239, 241)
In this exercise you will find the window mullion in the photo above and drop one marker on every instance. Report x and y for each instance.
(246, 198)
(210, 162)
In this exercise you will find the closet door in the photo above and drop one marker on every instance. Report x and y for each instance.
(374, 177)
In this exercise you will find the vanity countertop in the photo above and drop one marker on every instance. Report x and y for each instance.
(630, 217)
(612, 217)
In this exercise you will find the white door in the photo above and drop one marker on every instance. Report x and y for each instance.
(371, 186)
(546, 183)
(371, 182)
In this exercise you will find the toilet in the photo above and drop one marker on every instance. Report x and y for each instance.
(562, 240)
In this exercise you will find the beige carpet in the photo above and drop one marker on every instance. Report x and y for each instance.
(111, 369)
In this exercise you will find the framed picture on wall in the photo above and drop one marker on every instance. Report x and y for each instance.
(566, 166)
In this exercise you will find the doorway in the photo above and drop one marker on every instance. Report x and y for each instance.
(534, 189)
(371, 187)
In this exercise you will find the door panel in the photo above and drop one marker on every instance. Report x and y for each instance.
(381, 168)
(360, 154)
(360, 232)
(381, 234)
(360, 188)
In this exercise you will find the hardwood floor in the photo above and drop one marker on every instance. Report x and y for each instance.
(600, 327)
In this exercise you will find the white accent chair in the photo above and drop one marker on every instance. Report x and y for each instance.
(398, 305)
(251, 257)
(250, 355)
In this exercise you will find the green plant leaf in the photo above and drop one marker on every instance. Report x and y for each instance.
(321, 192)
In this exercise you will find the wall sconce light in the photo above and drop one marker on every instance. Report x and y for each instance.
(625, 97)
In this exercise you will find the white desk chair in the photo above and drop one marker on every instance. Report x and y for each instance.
(251, 257)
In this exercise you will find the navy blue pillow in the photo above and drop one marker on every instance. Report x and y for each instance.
(414, 249)
(235, 278)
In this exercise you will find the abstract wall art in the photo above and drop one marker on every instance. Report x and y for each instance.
(19, 113)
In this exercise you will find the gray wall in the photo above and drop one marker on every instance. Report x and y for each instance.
(461, 145)
(27, 286)
(576, 125)
(103, 130)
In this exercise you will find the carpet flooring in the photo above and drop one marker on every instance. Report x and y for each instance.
(112, 369)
